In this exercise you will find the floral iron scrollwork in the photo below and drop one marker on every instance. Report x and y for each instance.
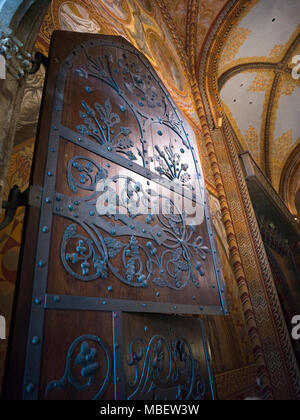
(139, 90)
(162, 367)
(87, 254)
(84, 173)
(162, 250)
(169, 164)
(100, 123)
(89, 364)
(180, 258)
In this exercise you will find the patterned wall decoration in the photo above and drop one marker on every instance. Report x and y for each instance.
(249, 41)
(235, 381)
(137, 21)
(178, 11)
(290, 181)
(207, 13)
(285, 131)
(250, 91)
(235, 40)
(228, 337)
(267, 329)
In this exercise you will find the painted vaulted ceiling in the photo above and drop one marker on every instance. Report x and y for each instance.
(260, 96)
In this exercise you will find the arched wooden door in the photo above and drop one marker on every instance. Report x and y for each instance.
(114, 261)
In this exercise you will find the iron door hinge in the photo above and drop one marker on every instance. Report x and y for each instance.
(31, 197)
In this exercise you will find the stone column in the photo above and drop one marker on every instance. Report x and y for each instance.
(20, 22)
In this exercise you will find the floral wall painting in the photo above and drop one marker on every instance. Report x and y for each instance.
(116, 8)
(75, 17)
(31, 100)
(166, 61)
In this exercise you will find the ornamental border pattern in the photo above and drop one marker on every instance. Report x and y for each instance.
(208, 68)
(235, 383)
(266, 278)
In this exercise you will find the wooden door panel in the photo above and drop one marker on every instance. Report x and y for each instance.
(108, 125)
(77, 362)
(165, 358)
(76, 220)
(108, 128)
(159, 357)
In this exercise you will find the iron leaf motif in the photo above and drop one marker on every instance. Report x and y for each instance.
(180, 256)
(162, 364)
(88, 359)
(180, 261)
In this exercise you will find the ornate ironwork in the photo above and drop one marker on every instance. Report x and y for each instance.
(134, 81)
(88, 362)
(169, 163)
(100, 125)
(141, 251)
(165, 369)
(183, 253)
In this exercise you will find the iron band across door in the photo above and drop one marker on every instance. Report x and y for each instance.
(85, 143)
(121, 130)
(59, 302)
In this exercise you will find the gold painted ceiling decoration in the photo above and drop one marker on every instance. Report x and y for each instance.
(153, 26)
(259, 95)
(140, 22)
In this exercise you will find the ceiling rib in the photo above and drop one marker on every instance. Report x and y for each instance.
(266, 140)
(229, 74)
(278, 69)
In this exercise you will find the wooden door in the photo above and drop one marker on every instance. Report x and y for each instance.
(114, 260)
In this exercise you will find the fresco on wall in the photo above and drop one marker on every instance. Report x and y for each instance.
(75, 17)
(116, 8)
(167, 60)
(31, 103)
(137, 21)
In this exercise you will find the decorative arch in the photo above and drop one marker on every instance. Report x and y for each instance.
(290, 181)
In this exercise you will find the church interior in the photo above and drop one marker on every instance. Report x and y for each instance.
(232, 69)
